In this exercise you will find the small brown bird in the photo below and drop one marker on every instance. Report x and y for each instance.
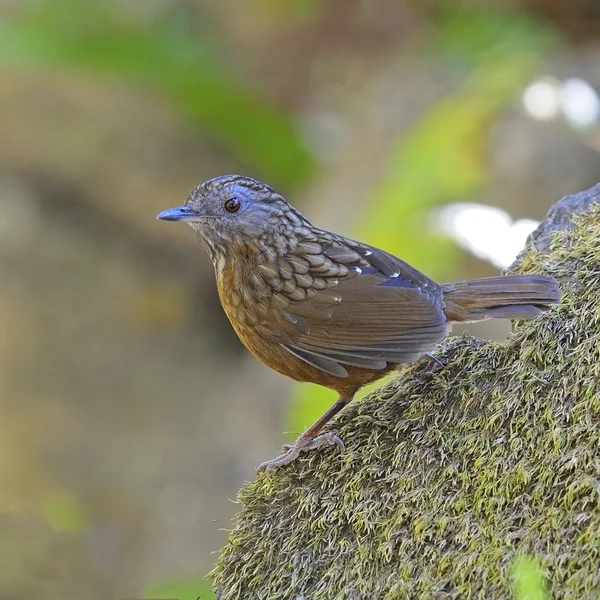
(323, 308)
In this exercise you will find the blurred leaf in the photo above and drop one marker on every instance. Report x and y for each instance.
(63, 511)
(182, 63)
(184, 589)
(528, 580)
(442, 159)
(308, 401)
(479, 34)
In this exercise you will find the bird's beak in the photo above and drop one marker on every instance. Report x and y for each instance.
(179, 213)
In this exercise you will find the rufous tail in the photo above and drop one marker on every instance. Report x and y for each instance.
(509, 297)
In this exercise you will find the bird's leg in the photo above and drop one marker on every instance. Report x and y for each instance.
(308, 441)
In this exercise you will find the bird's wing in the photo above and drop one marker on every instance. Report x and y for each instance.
(337, 302)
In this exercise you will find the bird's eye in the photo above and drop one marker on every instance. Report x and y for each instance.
(232, 205)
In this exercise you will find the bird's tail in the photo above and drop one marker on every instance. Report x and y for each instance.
(510, 297)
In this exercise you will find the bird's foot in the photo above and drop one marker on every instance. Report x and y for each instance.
(302, 444)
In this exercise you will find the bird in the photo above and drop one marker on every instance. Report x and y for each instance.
(323, 308)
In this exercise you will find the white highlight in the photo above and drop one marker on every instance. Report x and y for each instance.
(541, 99)
(579, 103)
(574, 99)
(487, 231)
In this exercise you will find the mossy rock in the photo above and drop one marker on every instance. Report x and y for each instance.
(451, 473)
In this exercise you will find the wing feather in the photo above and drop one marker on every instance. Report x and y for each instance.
(364, 308)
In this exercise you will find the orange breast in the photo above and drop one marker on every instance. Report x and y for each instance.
(242, 312)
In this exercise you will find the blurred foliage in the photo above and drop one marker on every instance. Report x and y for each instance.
(63, 511)
(528, 580)
(477, 35)
(443, 158)
(198, 588)
(184, 64)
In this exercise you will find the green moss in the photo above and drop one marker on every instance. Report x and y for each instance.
(449, 474)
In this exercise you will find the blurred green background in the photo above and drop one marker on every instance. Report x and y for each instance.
(130, 412)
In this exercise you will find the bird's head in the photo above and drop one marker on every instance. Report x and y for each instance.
(230, 210)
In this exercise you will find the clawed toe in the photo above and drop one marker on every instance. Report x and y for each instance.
(293, 451)
(326, 439)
